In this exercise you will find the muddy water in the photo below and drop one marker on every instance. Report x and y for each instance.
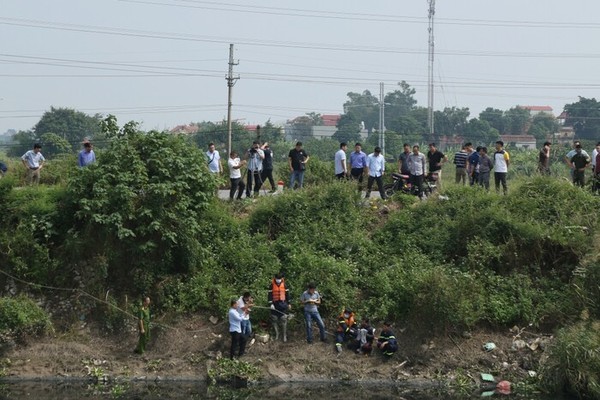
(192, 390)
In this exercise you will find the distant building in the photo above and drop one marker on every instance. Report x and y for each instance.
(519, 141)
(329, 126)
(535, 110)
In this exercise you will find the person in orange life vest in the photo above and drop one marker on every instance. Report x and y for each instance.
(346, 328)
(279, 301)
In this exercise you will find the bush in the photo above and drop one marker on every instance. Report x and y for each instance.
(21, 317)
(573, 363)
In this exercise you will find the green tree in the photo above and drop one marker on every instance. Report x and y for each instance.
(363, 107)
(494, 117)
(480, 132)
(348, 129)
(141, 206)
(584, 116)
(301, 127)
(23, 141)
(517, 120)
(451, 121)
(399, 103)
(69, 124)
(52, 144)
(543, 125)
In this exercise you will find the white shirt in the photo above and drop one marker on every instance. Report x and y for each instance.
(33, 159)
(594, 154)
(213, 161)
(241, 305)
(234, 173)
(376, 165)
(340, 162)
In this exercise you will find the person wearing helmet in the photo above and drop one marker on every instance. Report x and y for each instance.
(346, 329)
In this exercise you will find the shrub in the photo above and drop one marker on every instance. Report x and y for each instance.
(21, 317)
(573, 362)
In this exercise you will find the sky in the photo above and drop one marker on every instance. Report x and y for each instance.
(164, 62)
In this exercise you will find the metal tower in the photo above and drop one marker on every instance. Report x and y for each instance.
(430, 123)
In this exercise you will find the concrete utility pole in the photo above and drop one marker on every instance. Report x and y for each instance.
(430, 122)
(381, 119)
(230, 82)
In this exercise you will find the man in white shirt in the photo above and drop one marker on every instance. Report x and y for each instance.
(255, 157)
(417, 165)
(213, 158)
(33, 160)
(341, 169)
(235, 175)
(376, 166)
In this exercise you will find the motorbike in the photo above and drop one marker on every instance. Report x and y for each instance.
(401, 184)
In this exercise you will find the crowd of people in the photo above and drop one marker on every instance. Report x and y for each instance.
(358, 337)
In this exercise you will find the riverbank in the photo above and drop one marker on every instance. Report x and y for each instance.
(182, 350)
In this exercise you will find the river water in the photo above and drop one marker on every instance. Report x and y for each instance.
(278, 391)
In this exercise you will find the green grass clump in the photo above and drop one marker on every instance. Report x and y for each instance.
(21, 317)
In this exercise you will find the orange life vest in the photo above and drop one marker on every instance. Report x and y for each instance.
(348, 321)
(278, 290)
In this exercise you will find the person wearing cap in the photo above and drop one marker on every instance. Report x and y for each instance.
(579, 163)
(387, 342)
(346, 328)
(87, 155)
(376, 167)
(279, 302)
(501, 162)
(33, 160)
(311, 299)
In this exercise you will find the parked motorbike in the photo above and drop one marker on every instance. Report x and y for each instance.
(401, 184)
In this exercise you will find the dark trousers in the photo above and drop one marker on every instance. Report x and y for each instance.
(236, 185)
(484, 179)
(268, 174)
(358, 173)
(579, 178)
(253, 176)
(237, 340)
(474, 178)
(379, 181)
(417, 183)
(340, 176)
(596, 183)
(500, 178)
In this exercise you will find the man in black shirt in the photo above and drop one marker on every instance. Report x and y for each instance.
(436, 159)
(267, 172)
(297, 160)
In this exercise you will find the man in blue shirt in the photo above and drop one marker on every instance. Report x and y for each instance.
(235, 330)
(86, 156)
(473, 166)
(358, 163)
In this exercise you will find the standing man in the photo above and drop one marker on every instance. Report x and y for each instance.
(341, 169)
(255, 158)
(311, 300)
(235, 175)
(579, 163)
(86, 156)
(596, 168)
(238, 340)
(244, 303)
(485, 167)
(279, 301)
(501, 163)
(358, 164)
(417, 167)
(376, 167)
(544, 159)
(403, 160)
(571, 153)
(474, 166)
(297, 159)
(143, 326)
(213, 158)
(33, 160)
(436, 159)
(267, 172)
(461, 158)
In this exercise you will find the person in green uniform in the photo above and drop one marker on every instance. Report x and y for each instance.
(143, 327)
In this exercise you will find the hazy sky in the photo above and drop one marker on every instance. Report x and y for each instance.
(163, 62)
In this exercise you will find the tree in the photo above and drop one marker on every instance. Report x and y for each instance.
(451, 121)
(543, 125)
(495, 118)
(517, 120)
(301, 127)
(363, 107)
(52, 144)
(24, 140)
(480, 132)
(316, 118)
(141, 205)
(270, 133)
(399, 103)
(69, 124)
(348, 129)
(584, 117)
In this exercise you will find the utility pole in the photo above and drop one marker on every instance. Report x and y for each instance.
(381, 119)
(430, 122)
(230, 82)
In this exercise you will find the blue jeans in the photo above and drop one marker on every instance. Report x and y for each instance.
(296, 176)
(310, 315)
(246, 327)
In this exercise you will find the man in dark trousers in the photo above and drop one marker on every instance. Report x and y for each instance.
(279, 302)
(267, 172)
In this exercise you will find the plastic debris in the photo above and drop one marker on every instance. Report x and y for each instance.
(487, 377)
(503, 387)
(489, 346)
